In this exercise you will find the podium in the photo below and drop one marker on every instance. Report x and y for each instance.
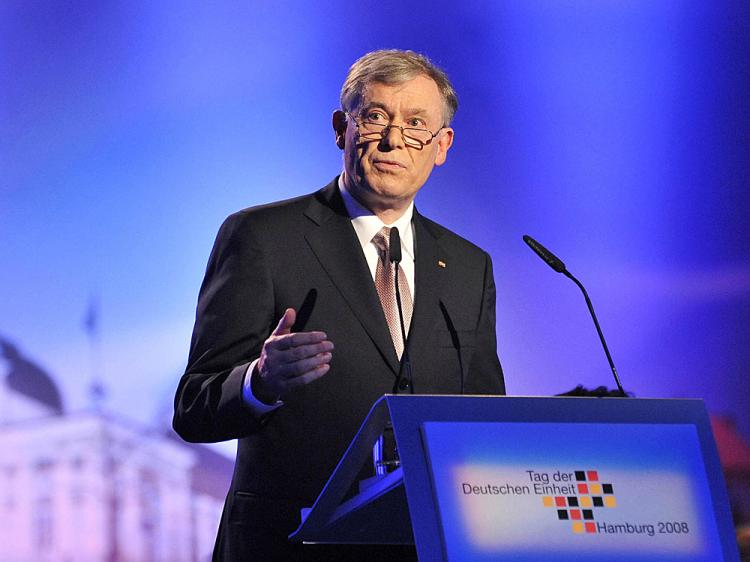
(516, 478)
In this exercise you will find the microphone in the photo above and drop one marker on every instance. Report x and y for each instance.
(552, 260)
(403, 380)
(394, 247)
(557, 264)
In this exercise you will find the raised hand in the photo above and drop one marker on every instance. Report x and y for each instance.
(289, 360)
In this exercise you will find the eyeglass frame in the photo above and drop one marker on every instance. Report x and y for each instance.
(389, 126)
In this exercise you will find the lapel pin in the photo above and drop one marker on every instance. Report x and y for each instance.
(441, 263)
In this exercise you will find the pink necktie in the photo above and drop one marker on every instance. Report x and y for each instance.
(387, 292)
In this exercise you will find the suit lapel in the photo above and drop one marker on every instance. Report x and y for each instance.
(335, 244)
(428, 282)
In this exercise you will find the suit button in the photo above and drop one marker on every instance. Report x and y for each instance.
(404, 384)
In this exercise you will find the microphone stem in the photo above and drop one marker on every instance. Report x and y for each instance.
(406, 364)
(398, 304)
(598, 329)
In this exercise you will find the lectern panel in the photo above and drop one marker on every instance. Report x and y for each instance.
(571, 491)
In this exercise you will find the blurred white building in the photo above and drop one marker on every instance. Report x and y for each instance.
(94, 487)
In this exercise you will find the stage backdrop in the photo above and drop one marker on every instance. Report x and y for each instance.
(616, 133)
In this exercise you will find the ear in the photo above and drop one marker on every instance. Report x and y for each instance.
(339, 127)
(444, 142)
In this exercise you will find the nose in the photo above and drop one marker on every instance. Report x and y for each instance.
(393, 137)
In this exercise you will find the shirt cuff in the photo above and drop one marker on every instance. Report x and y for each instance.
(257, 407)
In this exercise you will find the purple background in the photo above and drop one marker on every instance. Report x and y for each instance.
(616, 133)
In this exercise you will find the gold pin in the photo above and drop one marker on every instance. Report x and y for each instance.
(441, 263)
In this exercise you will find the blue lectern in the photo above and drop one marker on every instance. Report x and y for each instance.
(513, 478)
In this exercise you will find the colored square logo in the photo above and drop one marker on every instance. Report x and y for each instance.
(590, 494)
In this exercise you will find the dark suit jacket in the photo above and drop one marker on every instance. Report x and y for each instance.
(304, 253)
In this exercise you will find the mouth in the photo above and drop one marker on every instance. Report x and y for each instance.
(392, 165)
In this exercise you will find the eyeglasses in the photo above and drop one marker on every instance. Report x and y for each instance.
(414, 137)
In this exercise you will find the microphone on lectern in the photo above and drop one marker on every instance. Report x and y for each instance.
(557, 264)
(552, 260)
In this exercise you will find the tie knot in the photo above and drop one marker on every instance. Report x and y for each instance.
(382, 240)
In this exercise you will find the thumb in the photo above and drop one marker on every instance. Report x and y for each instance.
(286, 323)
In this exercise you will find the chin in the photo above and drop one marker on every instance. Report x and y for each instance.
(392, 185)
(386, 188)
(393, 193)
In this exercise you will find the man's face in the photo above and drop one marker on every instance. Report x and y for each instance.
(385, 174)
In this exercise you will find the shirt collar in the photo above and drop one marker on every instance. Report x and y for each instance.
(366, 224)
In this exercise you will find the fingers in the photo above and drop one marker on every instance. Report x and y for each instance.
(285, 323)
(289, 360)
(298, 339)
(278, 374)
(308, 377)
(303, 366)
(305, 353)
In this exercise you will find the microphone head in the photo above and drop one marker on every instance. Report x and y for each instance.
(394, 245)
(552, 260)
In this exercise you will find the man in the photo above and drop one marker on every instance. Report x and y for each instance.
(296, 334)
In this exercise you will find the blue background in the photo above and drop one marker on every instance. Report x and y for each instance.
(616, 133)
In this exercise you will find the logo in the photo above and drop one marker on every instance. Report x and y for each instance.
(591, 496)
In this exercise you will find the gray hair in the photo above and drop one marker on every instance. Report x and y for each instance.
(393, 66)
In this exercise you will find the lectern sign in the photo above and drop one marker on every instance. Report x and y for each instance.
(571, 491)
